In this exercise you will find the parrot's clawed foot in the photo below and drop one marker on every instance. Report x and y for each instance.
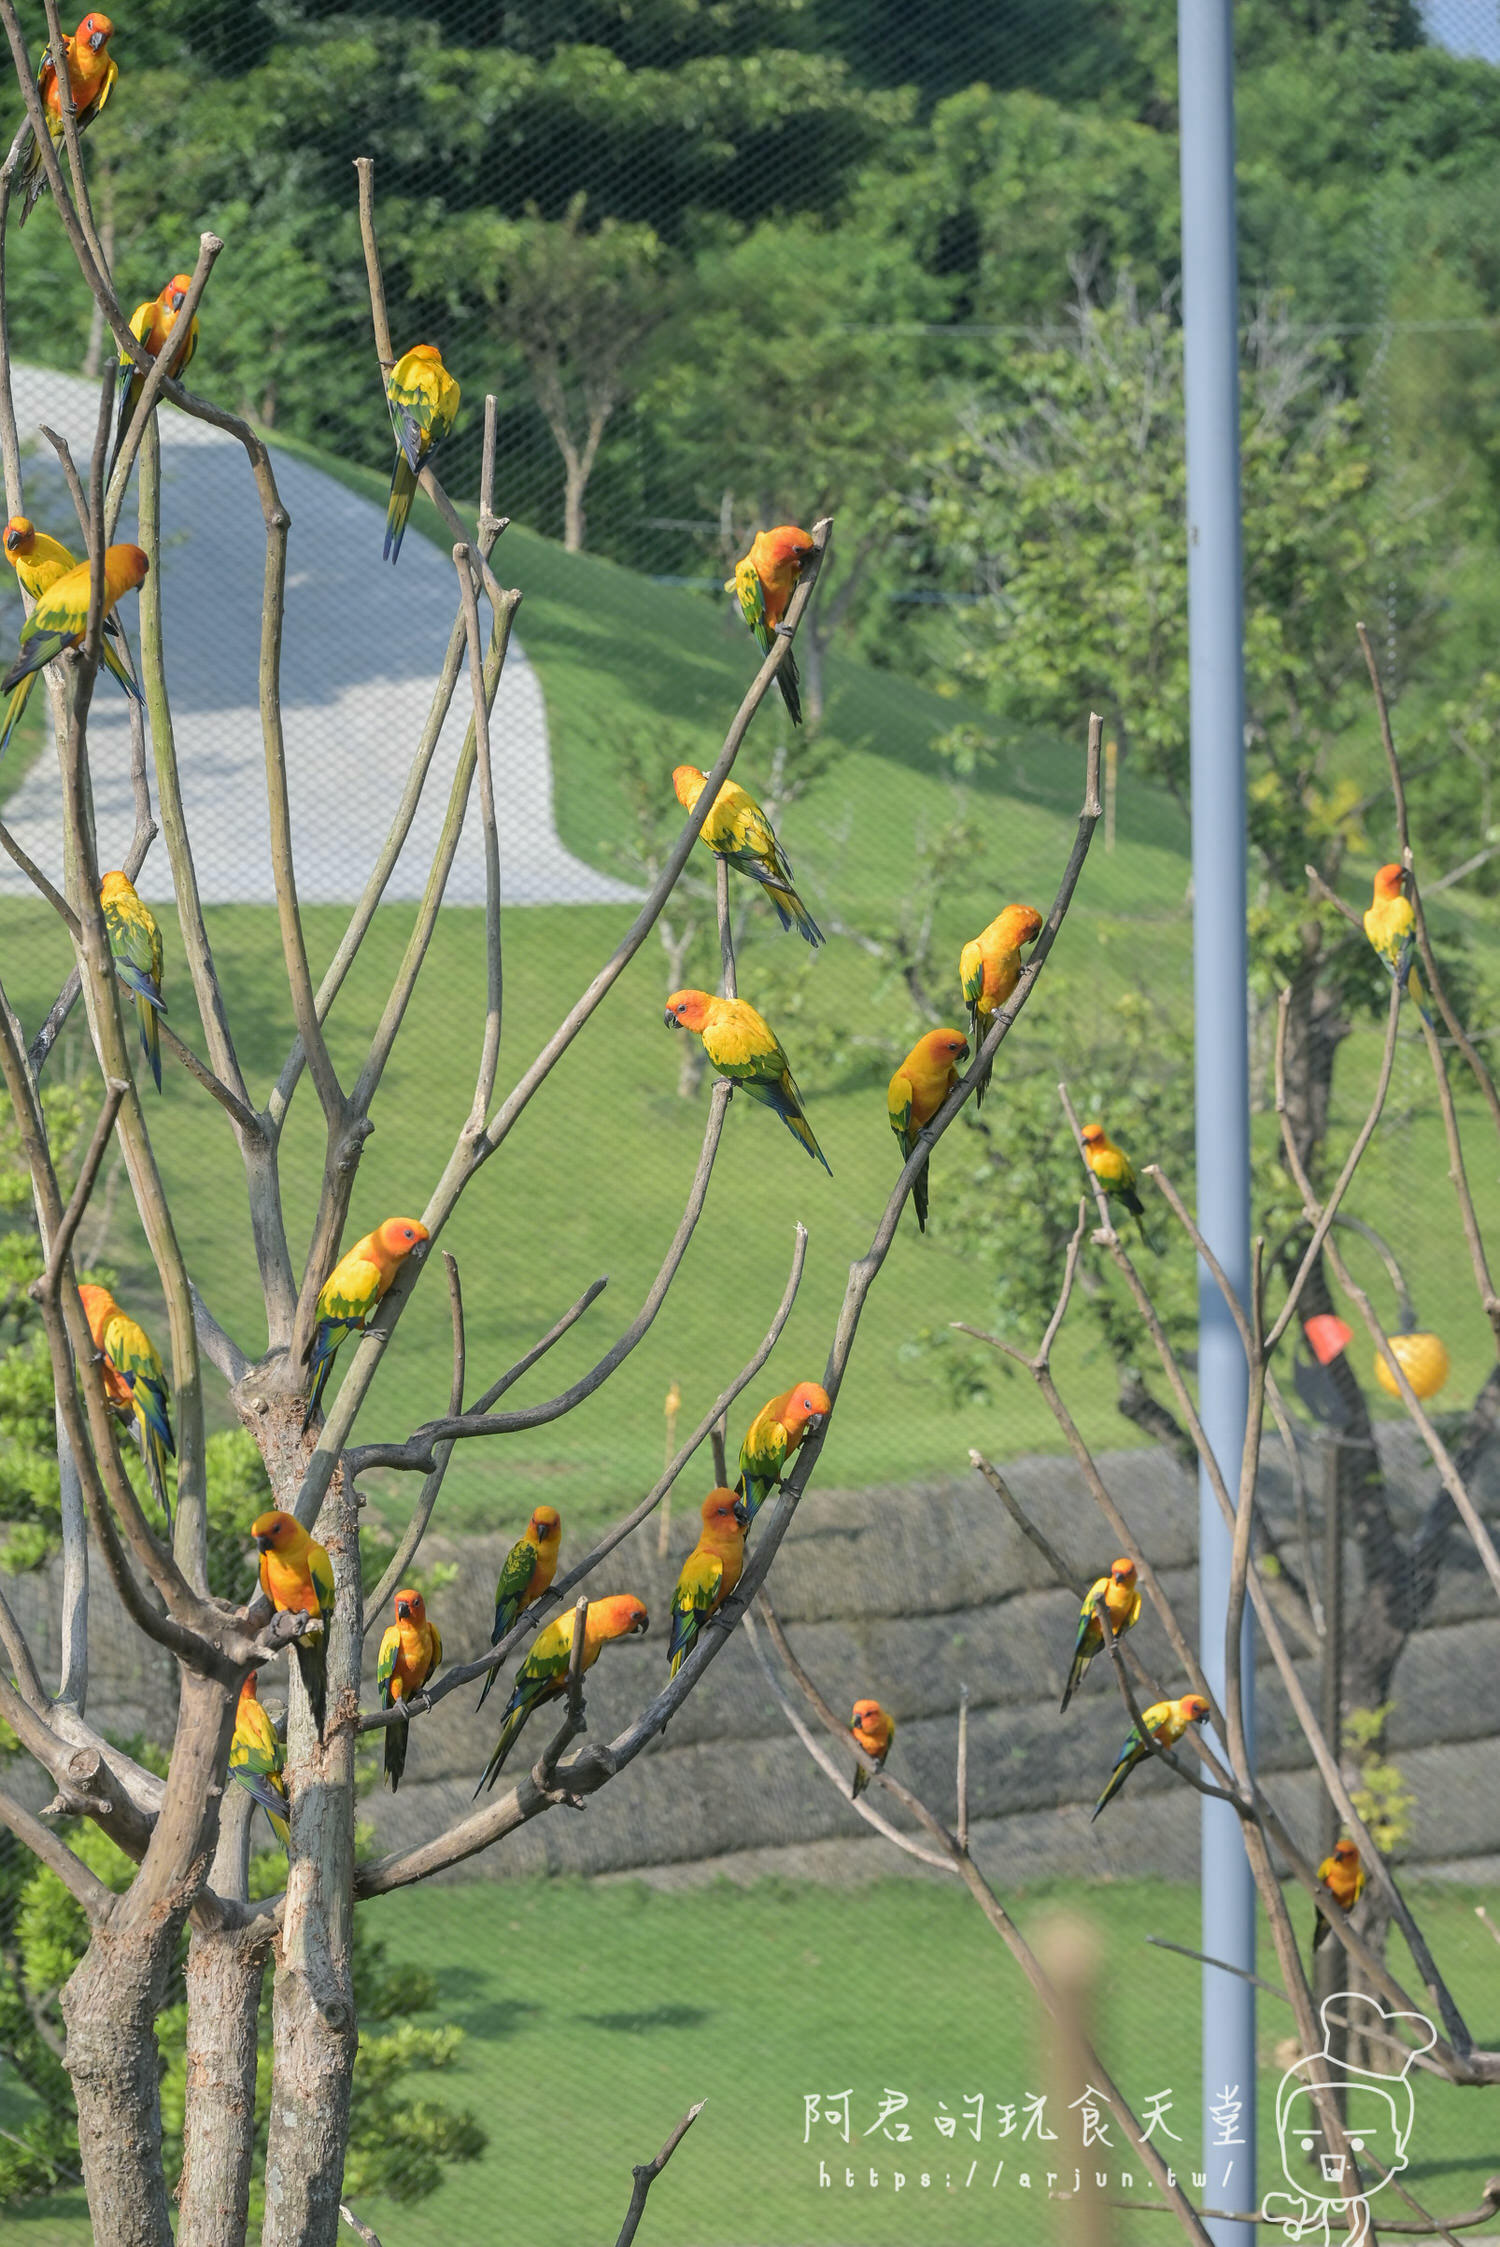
(782, 631)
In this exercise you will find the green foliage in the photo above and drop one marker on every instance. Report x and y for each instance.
(1382, 1798)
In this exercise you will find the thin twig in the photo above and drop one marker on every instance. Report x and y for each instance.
(646, 2173)
(62, 1240)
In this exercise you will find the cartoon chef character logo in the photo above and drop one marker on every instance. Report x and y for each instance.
(1378, 2111)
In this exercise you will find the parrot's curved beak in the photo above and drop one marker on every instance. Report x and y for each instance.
(672, 1021)
(96, 40)
(13, 541)
(741, 1512)
(264, 1543)
(640, 1626)
(403, 1610)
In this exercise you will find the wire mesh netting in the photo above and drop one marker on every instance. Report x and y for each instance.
(722, 267)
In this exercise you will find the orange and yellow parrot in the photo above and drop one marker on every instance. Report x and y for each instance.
(544, 1673)
(258, 1759)
(423, 399)
(915, 1094)
(874, 1729)
(92, 72)
(154, 324)
(1120, 1599)
(352, 1292)
(409, 1653)
(989, 968)
(135, 942)
(1343, 1874)
(764, 581)
(528, 1570)
(296, 1576)
(738, 831)
(135, 1382)
(771, 1438)
(39, 561)
(744, 1048)
(709, 1574)
(1165, 1722)
(1112, 1167)
(1391, 925)
(58, 622)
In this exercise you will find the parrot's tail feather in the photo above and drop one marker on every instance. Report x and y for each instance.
(798, 1125)
(280, 1828)
(156, 1471)
(398, 507)
(684, 1638)
(919, 1198)
(791, 688)
(1117, 1779)
(861, 1781)
(509, 1732)
(311, 1667)
(484, 1691)
(17, 704)
(1320, 1931)
(791, 912)
(320, 1383)
(150, 1035)
(118, 671)
(395, 1753)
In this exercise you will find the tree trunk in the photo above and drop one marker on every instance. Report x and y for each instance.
(110, 2006)
(575, 483)
(224, 1976)
(314, 2031)
(811, 649)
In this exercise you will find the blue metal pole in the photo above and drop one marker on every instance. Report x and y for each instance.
(1205, 55)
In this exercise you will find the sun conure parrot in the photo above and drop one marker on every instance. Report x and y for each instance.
(296, 1576)
(1165, 1721)
(544, 1673)
(257, 1759)
(1344, 1875)
(743, 1047)
(764, 581)
(135, 942)
(1391, 925)
(423, 399)
(135, 1383)
(771, 1438)
(915, 1094)
(527, 1572)
(1113, 1169)
(874, 1728)
(39, 561)
(154, 324)
(1118, 1595)
(92, 72)
(709, 1574)
(409, 1653)
(351, 1295)
(989, 968)
(59, 620)
(738, 831)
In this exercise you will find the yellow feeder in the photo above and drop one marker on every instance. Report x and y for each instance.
(1423, 1358)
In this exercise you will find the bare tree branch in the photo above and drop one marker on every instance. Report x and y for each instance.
(646, 2173)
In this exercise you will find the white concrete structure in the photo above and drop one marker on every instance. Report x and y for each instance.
(362, 646)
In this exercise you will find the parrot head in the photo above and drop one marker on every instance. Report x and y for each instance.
(687, 1010)
(806, 1409)
(250, 1690)
(93, 32)
(1092, 1135)
(398, 1236)
(115, 888)
(868, 1716)
(174, 295)
(1193, 1709)
(98, 1304)
(546, 1523)
(950, 1046)
(788, 544)
(620, 1616)
(276, 1532)
(1390, 882)
(721, 1510)
(1345, 1851)
(20, 535)
(1023, 923)
(126, 565)
(427, 351)
(410, 1607)
(687, 781)
(1122, 1572)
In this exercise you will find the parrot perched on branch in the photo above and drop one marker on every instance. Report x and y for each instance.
(258, 1759)
(153, 324)
(764, 581)
(1118, 1595)
(1113, 1169)
(989, 968)
(526, 1573)
(738, 831)
(296, 1576)
(352, 1293)
(743, 1048)
(544, 1673)
(135, 942)
(915, 1094)
(1390, 923)
(58, 622)
(409, 1653)
(1344, 1875)
(92, 72)
(423, 400)
(1165, 1722)
(709, 1574)
(135, 1383)
(874, 1729)
(773, 1436)
(39, 561)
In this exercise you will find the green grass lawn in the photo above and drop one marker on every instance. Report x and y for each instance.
(595, 2013)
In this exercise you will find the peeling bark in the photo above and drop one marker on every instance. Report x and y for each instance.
(225, 1971)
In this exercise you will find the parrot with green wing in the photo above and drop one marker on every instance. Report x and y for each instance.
(544, 1673)
(773, 1436)
(59, 620)
(423, 400)
(1164, 1722)
(526, 1573)
(410, 1652)
(764, 581)
(154, 324)
(135, 943)
(1118, 1596)
(738, 831)
(353, 1292)
(709, 1574)
(135, 1383)
(257, 1759)
(743, 1047)
(915, 1094)
(296, 1576)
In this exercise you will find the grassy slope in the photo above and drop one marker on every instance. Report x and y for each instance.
(753, 1998)
(593, 1179)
